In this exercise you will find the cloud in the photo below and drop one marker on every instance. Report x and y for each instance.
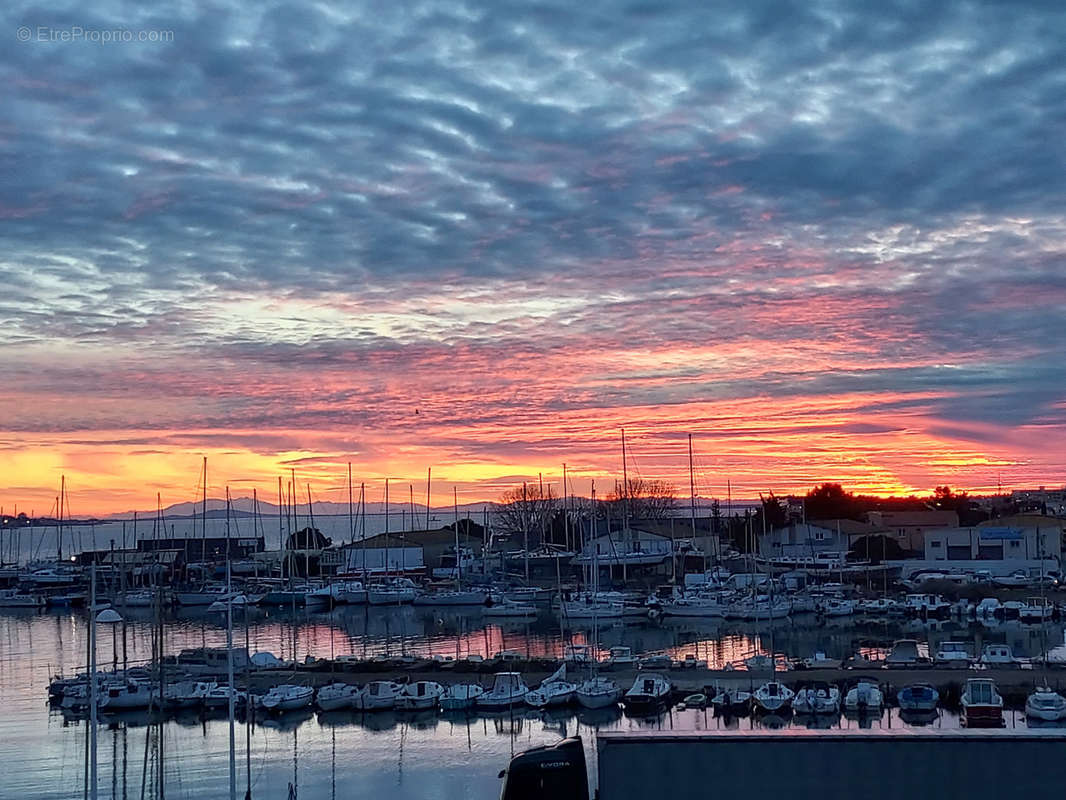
(293, 219)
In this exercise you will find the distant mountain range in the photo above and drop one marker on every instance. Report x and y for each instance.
(245, 507)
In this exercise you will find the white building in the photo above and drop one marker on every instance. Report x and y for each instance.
(806, 540)
(1005, 543)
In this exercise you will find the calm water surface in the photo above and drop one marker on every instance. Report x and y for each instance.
(351, 755)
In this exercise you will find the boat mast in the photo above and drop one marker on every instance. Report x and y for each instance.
(92, 680)
(351, 516)
(458, 560)
(203, 522)
(229, 662)
(386, 527)
(692, 501)
(429, 477)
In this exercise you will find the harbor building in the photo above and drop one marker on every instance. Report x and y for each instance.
(808, 539)
(411, 552)
(909, 528)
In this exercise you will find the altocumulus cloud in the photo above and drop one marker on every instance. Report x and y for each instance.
(533, 208)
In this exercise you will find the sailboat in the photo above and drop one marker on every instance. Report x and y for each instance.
(555, 690)
(597, 691)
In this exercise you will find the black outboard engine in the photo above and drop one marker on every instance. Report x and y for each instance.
(549, 772)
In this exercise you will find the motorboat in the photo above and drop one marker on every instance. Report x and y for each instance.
(419, 696)
(821, 698)
(655, 661)
(649, 690)
(336, 696)
(998, 656)
(14, 598)
(689, 661)
(461, 696)
(918, 697)
(952, 654)
(773, 696)
(820, 661)
(1015, 580)
(508, 656)
(864, 696)
(1036, 609)
(502, 607)
(377, 696)
(472, 597)
(186, 694)
(205, 596)
(287, 697)
(882, 606)
(508, 689)
(218, 697)
(731, 701)
(904, 653)
(555, 690)
(125, 695)
(927, 605)
(598, 693)
(838, 607)
(139, 598)
(620, 657)
(982, 705)
(1046, 705)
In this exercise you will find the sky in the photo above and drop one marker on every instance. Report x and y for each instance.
(826, 239)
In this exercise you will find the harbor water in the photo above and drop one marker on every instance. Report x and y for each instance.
(352, 755)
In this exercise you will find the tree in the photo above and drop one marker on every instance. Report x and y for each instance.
(831, 501)
(642, 499)
(526, 511)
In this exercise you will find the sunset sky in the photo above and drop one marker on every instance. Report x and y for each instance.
(827, 239)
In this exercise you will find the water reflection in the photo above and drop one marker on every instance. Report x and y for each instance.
(410, 754)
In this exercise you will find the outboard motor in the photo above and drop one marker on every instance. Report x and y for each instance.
(549, 772)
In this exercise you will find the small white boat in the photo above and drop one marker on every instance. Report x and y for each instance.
(502, 607)
(1016, 580)
(13, 598)
(336, 696)
(952, 654)
(419, 696)
(998, 656)
(982, 705)
(620, 657)
(186, 694)
(351, 592)
(508, 689)
(820, 661)
(377, 696)
(392, 593)
(864, 696)
(882, 606)
(555, 690)
(461, 696)
(125, 695)
(1046, 705)
(598, 693)
(821, 698)
(731, 701)
(219, 697)
(918, 697)
(773, 696)
(695, 607)
(473, 597)
(287, 697)
(760, 609)
(600, 609)
(648, 691)
(838, 607)
(1036, 609)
